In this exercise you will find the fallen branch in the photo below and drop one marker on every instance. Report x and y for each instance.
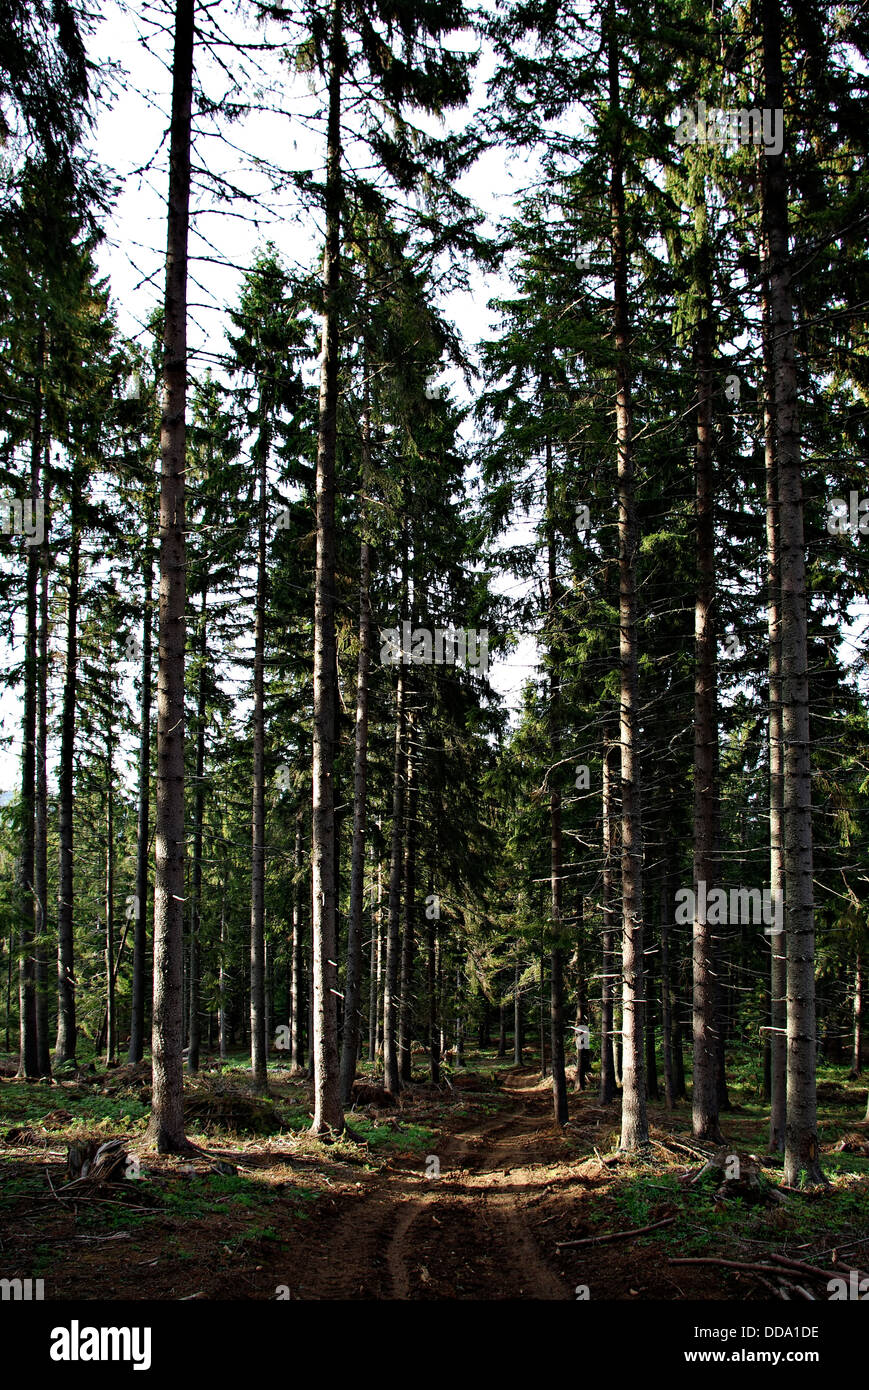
(616, 1235)
(800, 1267)
(606, 1162)
(728, 1264)
(674, 1146)
(861, 1240)
(776, 1293)
(119, 1235)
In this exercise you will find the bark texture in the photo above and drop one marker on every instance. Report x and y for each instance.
(328, 1112)
(635, 1129)
(802, 1150)
(166, 1129)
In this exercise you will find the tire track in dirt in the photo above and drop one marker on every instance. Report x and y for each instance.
(398, 1235)
(456, 1149)
(469, 1235)
(356, 1248)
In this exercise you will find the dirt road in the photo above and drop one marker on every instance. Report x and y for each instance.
(467, 1234)
(506, 1206)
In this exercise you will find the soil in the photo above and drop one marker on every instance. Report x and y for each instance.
(511, 1187)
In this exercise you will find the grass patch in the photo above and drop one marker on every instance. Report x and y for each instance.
(394, 1136)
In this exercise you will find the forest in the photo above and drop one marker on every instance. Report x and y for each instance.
(434, 798)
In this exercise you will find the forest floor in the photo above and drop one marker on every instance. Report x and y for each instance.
(268, 1212)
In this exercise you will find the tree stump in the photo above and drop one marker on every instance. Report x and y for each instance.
(101, 1162)
(366, 1094)
(737, 1174)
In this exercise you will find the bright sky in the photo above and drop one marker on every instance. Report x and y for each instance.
(130, 141)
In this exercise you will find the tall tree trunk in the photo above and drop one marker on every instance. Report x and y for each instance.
(857, 1058)
(667, 897)
(140, 904)
(483, 1030)
(380, 955)
(110, 1020)
(541, 1014)
(28, 1058)
(166, 1129)
(405, 1007)
(193, 1030)
(580, 1052)
(651, 1049)
(802, 1151)
(433, 1000)
(777, 941)
(556, 1036)
(65, 1046)
(328, 1113)
(9, 960)
(706, 813)
(258, 1053)
(102, 1035)
(268, 993)
(583, 1017)
(185, 973)
(722, 1011)
(40, 846)
(297, 996)
(635, 1129)
(679, 1031)
(556, 973)
(607, 1058)
(517, 1013)
(502, 1029)
(221, 977)
(373, 962)
(391, 1075)
(353, 978)
(766, 1010)
(309, 969)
